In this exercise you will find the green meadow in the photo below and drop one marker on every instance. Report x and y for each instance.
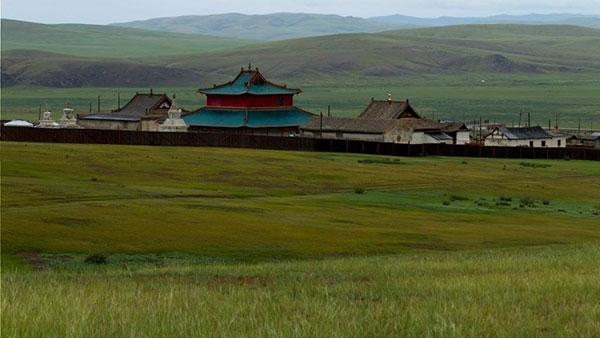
(499, 99)
(232, 242)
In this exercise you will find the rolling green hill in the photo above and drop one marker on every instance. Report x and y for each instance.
(276, 26)
(473, 50)
(105, 41)
(364, 58)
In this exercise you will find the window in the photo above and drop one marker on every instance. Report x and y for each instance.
(559, 143)
(281, 100)
(543, 143)
(531, 143)
(339, 135)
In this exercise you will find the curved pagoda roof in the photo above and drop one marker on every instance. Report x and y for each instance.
(250, 81)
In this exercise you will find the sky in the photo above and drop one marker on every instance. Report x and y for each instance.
(109, 11)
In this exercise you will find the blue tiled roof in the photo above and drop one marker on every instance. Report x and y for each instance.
(252, 118)
(242, 84)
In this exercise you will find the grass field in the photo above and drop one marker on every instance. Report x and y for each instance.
(550, 291)
(230, 242)
(500, 99)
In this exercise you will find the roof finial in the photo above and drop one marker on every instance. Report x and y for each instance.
(249, 65)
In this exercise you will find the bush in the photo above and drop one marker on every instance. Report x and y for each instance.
(545, 202)
(94, 179)
(458, 198)
(96, 259)
(446, 203)
(505, 199)
(359, 190)
(535, 165)
(380, 161)
(528, 202)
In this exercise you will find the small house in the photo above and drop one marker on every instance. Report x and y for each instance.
(524, 137)
(584, 141)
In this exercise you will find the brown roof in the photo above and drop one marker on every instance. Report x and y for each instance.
(368, 126)
(347, 124)
(453, 126)
(388, 110)
(142, 106)
(146, 104)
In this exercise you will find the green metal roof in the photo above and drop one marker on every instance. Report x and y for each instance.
(208, 117)
(250, 82)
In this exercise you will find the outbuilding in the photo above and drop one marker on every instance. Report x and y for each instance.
(524, 137)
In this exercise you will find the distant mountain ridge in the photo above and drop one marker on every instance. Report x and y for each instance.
(276, 26)
(532, 19)
(282, 26)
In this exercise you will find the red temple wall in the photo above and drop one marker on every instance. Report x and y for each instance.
(249, 101)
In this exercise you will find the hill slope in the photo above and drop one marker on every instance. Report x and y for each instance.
(276, 26)
(432, 51)
(105, 41)
(374, 57)
(30, 67)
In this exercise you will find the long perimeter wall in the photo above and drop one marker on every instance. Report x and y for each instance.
(285, 143)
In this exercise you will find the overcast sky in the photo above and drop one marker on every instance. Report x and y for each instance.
(107, 11)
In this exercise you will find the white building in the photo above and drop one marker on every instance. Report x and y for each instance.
(524, 137)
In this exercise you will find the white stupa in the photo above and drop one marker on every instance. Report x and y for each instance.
(68, 120)
(47, 121)
(174, 122)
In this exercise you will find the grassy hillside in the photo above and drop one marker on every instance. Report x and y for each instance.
(377, 58)
(276, 26)
(243, 242)
(105, 41)
(550, 291)
(37, 68)
(254, 205)
(474, 50)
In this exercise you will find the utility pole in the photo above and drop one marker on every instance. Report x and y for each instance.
(480, 131)
(520, 114)
(528, 120)
(328, 110)
(118, 100)
(321, 125)
(98, 103)
(90, 106)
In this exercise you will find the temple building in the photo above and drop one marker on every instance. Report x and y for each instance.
(388, 121)
(249, 104)
(143, 112)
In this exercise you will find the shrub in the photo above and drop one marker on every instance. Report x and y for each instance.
(380, 161)
(545, 202)
(94, 179)
(446, 203)
(458, 198)
(528, 202)
(96, 259)
(359, 190)
(535, 165)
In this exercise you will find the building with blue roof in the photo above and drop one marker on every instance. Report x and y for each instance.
(250, 104)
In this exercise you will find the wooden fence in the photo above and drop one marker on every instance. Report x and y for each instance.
(285, 143)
